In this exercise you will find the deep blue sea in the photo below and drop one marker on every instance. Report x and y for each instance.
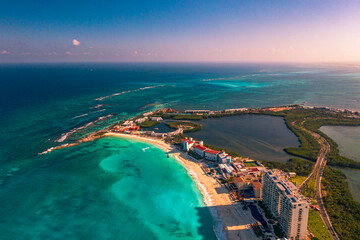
(112, 188)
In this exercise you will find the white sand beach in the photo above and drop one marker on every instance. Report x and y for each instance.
(235, 221)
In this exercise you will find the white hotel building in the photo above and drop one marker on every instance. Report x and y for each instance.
(286, 203)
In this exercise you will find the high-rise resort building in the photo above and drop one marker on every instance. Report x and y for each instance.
(286, 203)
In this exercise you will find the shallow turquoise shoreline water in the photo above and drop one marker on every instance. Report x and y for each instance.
(135, 191)
(41, 104)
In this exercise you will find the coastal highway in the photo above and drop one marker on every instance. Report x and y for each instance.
(318, 171)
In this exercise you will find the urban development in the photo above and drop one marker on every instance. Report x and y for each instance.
(254, 199)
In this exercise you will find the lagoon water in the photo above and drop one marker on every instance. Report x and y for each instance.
(90, 191)
(348, 140)
(256, 136)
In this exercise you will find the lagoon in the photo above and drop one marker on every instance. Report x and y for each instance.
(348, 140)
(259, 137)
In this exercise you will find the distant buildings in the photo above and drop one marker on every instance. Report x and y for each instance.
(162, 135)
(236, 110)
(197, 111)
(141, 120)
(286, 203)
(158, 119)
(126, 128)
(147, 114)
(128, 123)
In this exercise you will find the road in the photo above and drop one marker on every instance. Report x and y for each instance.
(318, 171)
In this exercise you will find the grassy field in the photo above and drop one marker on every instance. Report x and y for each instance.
(188, 126)
(317, 226)
(250, 164)
(298, 180)
(188, 117)
(310, 189)
(149, 123)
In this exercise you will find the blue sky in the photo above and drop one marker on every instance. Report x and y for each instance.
(244, 31)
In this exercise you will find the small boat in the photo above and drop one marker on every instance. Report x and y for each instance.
(145, 148)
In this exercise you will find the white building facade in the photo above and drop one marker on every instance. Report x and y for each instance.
(286, 203)
(211, 155)
(199, 150)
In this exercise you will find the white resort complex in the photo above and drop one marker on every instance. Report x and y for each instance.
(204, 152)
(286, 203)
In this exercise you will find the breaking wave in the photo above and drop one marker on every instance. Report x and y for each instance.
(82, 115)
(128, 91)
(64, 136)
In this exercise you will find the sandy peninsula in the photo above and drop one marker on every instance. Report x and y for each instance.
(231, 221)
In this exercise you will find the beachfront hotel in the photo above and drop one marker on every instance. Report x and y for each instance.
(286, 203)
(204, 152)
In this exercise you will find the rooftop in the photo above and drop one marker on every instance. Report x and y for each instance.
(238, 179)
(212, 151)
(287, 188)
(200, 147)
(256, 185)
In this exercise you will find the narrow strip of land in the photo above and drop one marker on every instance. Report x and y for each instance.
(318, 172)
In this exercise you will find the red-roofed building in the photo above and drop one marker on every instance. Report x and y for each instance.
(257, 187)
(199, 150)
(187, 144)
(211, 155)
(241, 184)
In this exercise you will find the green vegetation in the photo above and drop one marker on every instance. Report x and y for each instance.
(334, 157)
(188, 117)
(313, 119)
(149, 123)
(187, 126)
(297, 180)
(268, 214)
(299, 166)
(231, 153)
(302, 168)
(310, 189)
(177, 139)
(344, 212)
(99, 134)
(317, 226)
(278, 231)
(250, 164)
(226, 114)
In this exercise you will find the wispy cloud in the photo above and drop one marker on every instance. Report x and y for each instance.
(68, 53)
(4, 52)
(76, 42)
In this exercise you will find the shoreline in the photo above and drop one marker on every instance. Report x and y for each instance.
(227, 222)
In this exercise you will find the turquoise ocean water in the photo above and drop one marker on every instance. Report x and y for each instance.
(111, 188)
